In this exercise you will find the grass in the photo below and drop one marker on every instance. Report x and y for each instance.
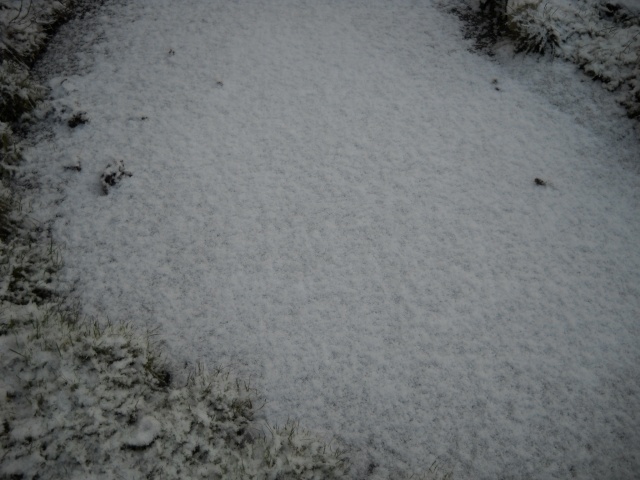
(28, 258)
(602, 39)
(24, 28)
(19, 94)
(83, 394)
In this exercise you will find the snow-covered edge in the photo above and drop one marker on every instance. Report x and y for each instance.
(602, 38)
(85, 400)
(24, 28)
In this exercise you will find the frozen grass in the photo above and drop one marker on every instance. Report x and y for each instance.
(24, 27)
(602, 38)
(19, 92)
(9, 151)
(85, 400)
(28, 261)
(25, 24)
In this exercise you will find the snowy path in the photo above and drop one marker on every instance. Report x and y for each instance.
(334, 199)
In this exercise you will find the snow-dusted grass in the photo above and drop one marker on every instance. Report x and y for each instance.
(18, 92)
(25, 24)
(24, 28)
(85, 400)
(28, 258)
(602, 38)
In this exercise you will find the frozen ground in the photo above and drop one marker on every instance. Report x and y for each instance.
(337, 199)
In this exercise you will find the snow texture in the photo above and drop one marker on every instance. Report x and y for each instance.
(337, 200)
(144, 433)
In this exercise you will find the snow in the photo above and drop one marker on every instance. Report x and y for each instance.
(337, 201)
(144, 433)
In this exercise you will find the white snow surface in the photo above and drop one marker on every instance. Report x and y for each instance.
(144, 432)
(337, 200)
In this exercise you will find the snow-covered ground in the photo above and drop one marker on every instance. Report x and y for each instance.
(337, 200)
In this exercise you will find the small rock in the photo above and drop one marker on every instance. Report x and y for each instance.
(539, 181)
(112, 175)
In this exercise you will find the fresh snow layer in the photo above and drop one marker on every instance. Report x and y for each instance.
(337, 200)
